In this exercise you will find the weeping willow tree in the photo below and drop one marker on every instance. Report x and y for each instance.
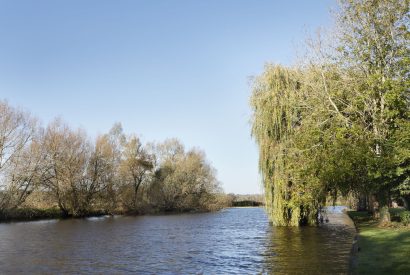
(339, 121)
(309, 145)
(279, 105)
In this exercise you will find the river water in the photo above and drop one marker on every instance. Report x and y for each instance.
(232, 241)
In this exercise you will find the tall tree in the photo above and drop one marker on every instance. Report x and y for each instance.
(136, 166)
(183, 180)
(330, 125)
(18, 156)
(374, 46)
(65, 166)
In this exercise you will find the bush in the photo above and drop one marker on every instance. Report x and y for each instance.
(395, 214)
(405, 217)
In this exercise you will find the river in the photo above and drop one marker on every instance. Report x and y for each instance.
(231, 241)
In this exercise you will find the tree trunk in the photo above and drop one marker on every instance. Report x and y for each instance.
(384, 215)
(363, 202)
(64, 212)
(137, 183)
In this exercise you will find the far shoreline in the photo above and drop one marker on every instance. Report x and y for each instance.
(32, 215)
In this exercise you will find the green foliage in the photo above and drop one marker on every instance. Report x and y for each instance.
(395, 213)
(405, 217)
(340, 123)
(280, 122)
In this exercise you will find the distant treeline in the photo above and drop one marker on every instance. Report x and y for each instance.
(237, 200)
(56, 167)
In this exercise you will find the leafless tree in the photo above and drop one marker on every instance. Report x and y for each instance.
(18, 155)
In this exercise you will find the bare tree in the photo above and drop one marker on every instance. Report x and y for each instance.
(65, 166)
(17, 163)
(101, 173)
(136, 166)
(183, 180)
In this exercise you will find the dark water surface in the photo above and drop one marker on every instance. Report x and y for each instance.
(232, 241)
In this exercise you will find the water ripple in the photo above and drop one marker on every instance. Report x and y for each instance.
(233, 241)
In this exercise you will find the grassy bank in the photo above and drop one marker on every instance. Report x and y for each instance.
(382, 250)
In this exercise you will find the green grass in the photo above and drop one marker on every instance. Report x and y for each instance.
(381, 250)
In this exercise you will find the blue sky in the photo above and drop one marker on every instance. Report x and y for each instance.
(162, 68)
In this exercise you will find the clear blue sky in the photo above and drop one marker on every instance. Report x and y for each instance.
(162, 68)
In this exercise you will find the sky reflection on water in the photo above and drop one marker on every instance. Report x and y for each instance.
(234, 241)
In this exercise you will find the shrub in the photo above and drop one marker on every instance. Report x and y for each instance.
(395, 214)
(405, 217)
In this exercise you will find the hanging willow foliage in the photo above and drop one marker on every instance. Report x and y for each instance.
(278, 109)
(335, 123)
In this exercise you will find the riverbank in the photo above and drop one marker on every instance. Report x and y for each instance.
(35, 214)
(247, 204)
(381, 250)
(51, 211)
